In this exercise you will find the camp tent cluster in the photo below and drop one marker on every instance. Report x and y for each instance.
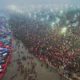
(5, 45)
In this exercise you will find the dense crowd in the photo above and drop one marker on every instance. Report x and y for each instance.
(52, 36)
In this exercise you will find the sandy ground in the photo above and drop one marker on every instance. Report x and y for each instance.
(43, 72)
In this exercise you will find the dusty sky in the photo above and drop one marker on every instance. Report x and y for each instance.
(4, 3)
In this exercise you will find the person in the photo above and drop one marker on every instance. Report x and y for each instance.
(47, 65)
(21, 69)
(41, 64)
(50, 69)
(25, 75)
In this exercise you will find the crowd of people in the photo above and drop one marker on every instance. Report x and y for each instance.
(52, 36)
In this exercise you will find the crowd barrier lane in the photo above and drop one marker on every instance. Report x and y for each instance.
(61, 73)
(64, 75)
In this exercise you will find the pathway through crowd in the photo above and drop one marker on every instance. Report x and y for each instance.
(43, 73)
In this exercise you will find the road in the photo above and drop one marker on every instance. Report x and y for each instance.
(43, 72)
